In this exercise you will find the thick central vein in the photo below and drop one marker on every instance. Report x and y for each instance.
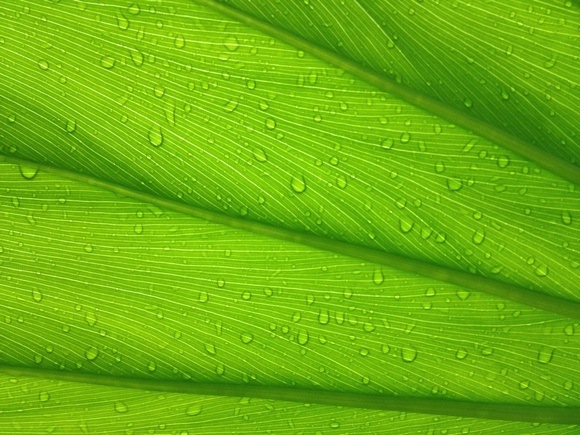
(492, 411)
(548, 161)
(464, 279)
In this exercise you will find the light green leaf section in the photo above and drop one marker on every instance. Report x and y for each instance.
(176, 101)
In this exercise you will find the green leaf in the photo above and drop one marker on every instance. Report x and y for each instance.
(289, 217)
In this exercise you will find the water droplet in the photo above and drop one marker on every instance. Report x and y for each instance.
(405, 137)
(468, 103)
(193, 410)
(43, 396)
(478, 237)
(566, 218)
(247, 338)
(341, 181)
(155, 136)
(210, 348)
(137, 57)
(409, 354)
(28, 172)
(542, 269)
(151, 366)
(122, 22)
(231, 43)
(388, 143)
(260, 155)
(12, 118)
(179, 41)
(462, 294)
(70, 126)
(121, 408)
(92, 353)
(270, 124)
(108, 62)
(138, 229)
(298, 184)
(312, 77)
(461, 354)
(378, 277)
(439, 167)
(303, 337)
(545, 355)
(43, 64)
(323, 317)
(454, 184)
(246, 296)
(37, 295)
(158, 90)
(503, 161)
(89, 248)
(406, 225)
(134, 9)
(230, 106)
(368, 327)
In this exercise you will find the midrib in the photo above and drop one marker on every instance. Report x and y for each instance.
(546, 160)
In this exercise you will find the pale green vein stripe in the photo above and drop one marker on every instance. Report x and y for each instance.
(521, 295)
(483, 410)
(548, 161)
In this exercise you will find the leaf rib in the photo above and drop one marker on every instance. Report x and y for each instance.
(476, 282)
(544, 159)
(482, 410)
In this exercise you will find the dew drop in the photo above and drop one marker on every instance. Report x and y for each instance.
(193, 410)
(37, 295)
(341, 181)
(303, 337)
(43, 64)
(260, 155)
(70, 126)
(270, 124)
(92, 353)
(134, 9)
(387, 144)
(453, 184)
(545, 355)
(247, 338)
(323, 317)
(378, 277)
(158, 91)
(210, 348)
(122, 22)
(151, 366)
(406, 225)
(542, 270)
(461, 354)
(439, 167)
(121, 407)
(405, 137)
(298, 184)
(43, 396)
(503, 161)
(137, 57)
(179, 41)
(231, 43)
(409, 354)
(468, 103)
(28, 172)
(566, 218)
(230, 106)
(478, 237)
(107, 62)
(155, 136)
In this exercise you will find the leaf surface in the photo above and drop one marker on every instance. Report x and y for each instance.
(186, 199)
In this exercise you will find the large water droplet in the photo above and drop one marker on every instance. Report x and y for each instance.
(378, 277)
(37, 295)
(230, 106)
(121, 407)
(179, 41)
(43, 64)
(231, 43)
(155, 136)
(545, 355)
(137, 57)
(298, 184)
(454, 184)
(28, 171)
(92, 353)
(303, 337)
(409, 354)
(478, 237)
(193, 410)
(247, 338)
(108, 62)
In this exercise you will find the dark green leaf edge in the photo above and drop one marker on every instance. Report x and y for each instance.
(544, 159)
(482, 410)
(521, 295)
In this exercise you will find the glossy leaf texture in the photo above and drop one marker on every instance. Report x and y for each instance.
(121, 120)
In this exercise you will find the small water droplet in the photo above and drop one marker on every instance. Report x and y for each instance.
(545, 355)
(179, 41)
(247, 338)
(406, 225)
(387, 143)
(70, 126)
(193, 410)
(405, 137)
(542, 269)
(566, 218)
(155, 136)
(37, 295)
(462, 294)
(439, 167)
(298, 184)
(89, 248)
(108, 62)
(323, 317)
(158, 90)
(122, 22)
(137, 57)
(270, 124)
(461, 354)
(92, 353)
(478, 237)
(409, 354)
(303, 337)
(151, 366)
(28, 171)
(210, 348)
(260, 155)
(503, 161)
(231, 43)
(378, 277)
(43, 396)
(341, 181)
(454, 184)
(121, 407)
(134, 9)
(43, 64)
(230, 106)
(468, 103)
